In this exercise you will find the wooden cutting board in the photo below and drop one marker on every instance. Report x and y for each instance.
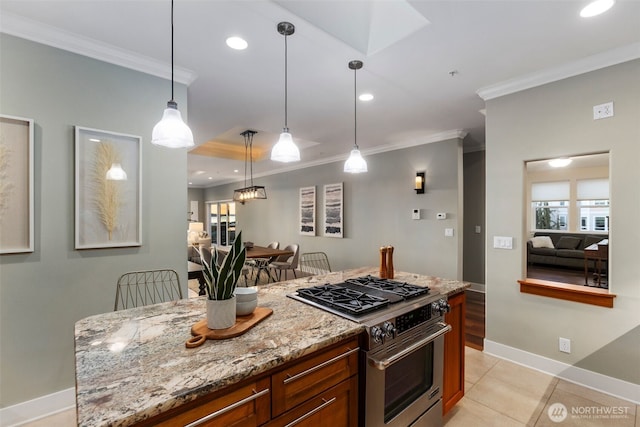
(201, 333)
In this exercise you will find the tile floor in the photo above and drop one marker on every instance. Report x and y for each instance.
(503, 394)
(500, 393)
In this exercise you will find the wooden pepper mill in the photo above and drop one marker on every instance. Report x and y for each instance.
(390, 262)
(383, 262)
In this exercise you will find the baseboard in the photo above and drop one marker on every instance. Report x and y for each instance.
(593, 380)
(37, 408)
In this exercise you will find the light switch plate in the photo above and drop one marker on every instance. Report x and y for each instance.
(448, 232)
(441, 215)
(502, 242)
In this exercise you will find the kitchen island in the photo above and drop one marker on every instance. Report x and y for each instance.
(133, 365)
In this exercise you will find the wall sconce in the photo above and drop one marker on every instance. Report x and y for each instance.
(419, 183)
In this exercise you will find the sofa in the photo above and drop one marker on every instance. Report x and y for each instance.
(560, 249)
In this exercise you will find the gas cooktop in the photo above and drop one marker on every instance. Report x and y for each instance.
(359, 297)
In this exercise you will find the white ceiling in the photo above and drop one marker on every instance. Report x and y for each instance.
(424, 61)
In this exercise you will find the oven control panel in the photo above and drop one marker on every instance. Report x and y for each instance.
(413, 318)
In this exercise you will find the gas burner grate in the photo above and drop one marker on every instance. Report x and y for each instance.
(403, 289)
(343, 299)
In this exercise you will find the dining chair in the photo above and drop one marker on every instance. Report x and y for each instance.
(314, 263)
(259, 265)
(139, 288)
(286, 262)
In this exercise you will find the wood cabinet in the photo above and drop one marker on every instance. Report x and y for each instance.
(246, 405)
(453, 378)
(318, 389)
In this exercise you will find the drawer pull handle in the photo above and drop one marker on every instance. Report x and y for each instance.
(310, 413)
(219, 412)
(320, 366)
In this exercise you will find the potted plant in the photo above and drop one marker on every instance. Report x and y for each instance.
(221, 279)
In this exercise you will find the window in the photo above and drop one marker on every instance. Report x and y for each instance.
(593, 204)
(551, 215)
(550, 205)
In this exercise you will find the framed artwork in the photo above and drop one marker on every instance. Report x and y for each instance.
(107, 205)
(308, 211)
(333, 210)
(16, 185)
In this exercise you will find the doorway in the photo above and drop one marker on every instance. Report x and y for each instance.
(221, 222)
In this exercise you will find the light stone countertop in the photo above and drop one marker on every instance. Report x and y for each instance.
(133, 364)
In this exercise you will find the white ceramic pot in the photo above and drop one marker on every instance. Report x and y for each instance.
(246, 294)
(245, 308)
(221, 314)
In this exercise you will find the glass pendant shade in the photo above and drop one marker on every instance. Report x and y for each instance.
(116, 173)
(285, 150)
(355, 163)
(171, 131)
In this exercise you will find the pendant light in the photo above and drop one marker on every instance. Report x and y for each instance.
(355, 163)
(251, 192)
(171, 131)
(285, 149)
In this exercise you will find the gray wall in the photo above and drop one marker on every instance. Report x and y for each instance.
(43, 294)
(377, 210)
(474, 208)
(549, 121)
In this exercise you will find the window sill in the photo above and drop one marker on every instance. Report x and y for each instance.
(565, 291)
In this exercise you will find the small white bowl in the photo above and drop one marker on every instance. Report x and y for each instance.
(245, 308)
(246, 294)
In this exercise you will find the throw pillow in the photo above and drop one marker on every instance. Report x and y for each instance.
(542, 242)
(568, 242)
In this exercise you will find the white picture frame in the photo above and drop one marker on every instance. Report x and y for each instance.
(307, 225)
(107, 213)
(16, 185)
(333, 210)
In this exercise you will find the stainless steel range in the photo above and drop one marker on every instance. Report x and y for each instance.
(403, 352)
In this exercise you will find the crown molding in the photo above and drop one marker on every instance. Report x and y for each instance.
(38, 32)
(571, 69)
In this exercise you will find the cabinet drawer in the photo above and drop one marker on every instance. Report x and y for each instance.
(336, 407)
(303, 380)
(245, 406)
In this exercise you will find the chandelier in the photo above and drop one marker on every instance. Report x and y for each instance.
(251, 192)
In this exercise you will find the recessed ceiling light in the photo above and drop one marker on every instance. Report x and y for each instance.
(560, 162)
(596, 8)
(235, 170)
(190, 183)
(365, 97)
(94, 140)
(237, 43)
(210, 177)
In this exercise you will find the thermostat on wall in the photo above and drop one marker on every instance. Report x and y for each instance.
(415, 214)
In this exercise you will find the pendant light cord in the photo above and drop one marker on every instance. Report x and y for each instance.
(286, 126)
(355, 109)
(251, 156)
(172, 50)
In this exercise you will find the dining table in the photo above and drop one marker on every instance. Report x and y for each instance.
(262, 256)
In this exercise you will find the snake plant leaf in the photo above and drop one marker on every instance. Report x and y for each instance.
(222, 277)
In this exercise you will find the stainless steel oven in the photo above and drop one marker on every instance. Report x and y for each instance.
(402, 357)
(404, 380)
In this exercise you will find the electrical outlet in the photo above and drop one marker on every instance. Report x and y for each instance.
(564, 345)
(603, 111)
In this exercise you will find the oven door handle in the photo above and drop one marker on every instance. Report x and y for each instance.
(384, 363)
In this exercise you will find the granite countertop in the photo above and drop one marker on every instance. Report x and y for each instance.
(133, 364)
